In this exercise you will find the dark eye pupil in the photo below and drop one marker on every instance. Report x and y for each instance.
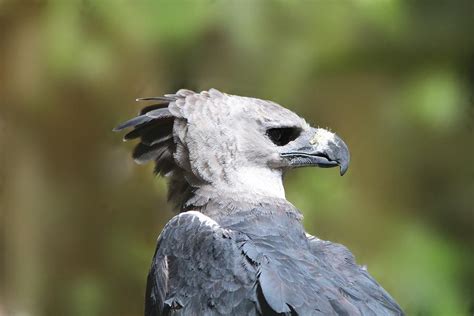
(276, 135)
(282, 136)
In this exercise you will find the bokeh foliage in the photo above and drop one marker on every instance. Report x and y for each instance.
(394, 78)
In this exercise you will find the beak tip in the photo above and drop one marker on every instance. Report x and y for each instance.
(343, 168)
(343, 171)
(344, 157)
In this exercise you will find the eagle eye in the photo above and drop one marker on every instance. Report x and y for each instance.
(283, 135)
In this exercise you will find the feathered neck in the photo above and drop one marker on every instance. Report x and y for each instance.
(218, 205)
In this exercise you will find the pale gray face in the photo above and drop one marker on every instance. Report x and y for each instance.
(237, 142)
(229, 132)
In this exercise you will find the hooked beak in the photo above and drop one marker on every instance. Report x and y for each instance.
(320, 148)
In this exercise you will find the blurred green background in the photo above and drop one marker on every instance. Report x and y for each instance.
(394, 78)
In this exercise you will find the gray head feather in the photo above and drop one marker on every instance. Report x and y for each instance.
(217, 142)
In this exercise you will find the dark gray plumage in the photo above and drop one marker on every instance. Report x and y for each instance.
(238, 246)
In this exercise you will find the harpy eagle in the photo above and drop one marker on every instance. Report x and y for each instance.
(237, 246)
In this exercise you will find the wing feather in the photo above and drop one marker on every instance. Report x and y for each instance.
(359, 286)
(197, 269)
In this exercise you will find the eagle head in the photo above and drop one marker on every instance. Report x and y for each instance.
(235, 145)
